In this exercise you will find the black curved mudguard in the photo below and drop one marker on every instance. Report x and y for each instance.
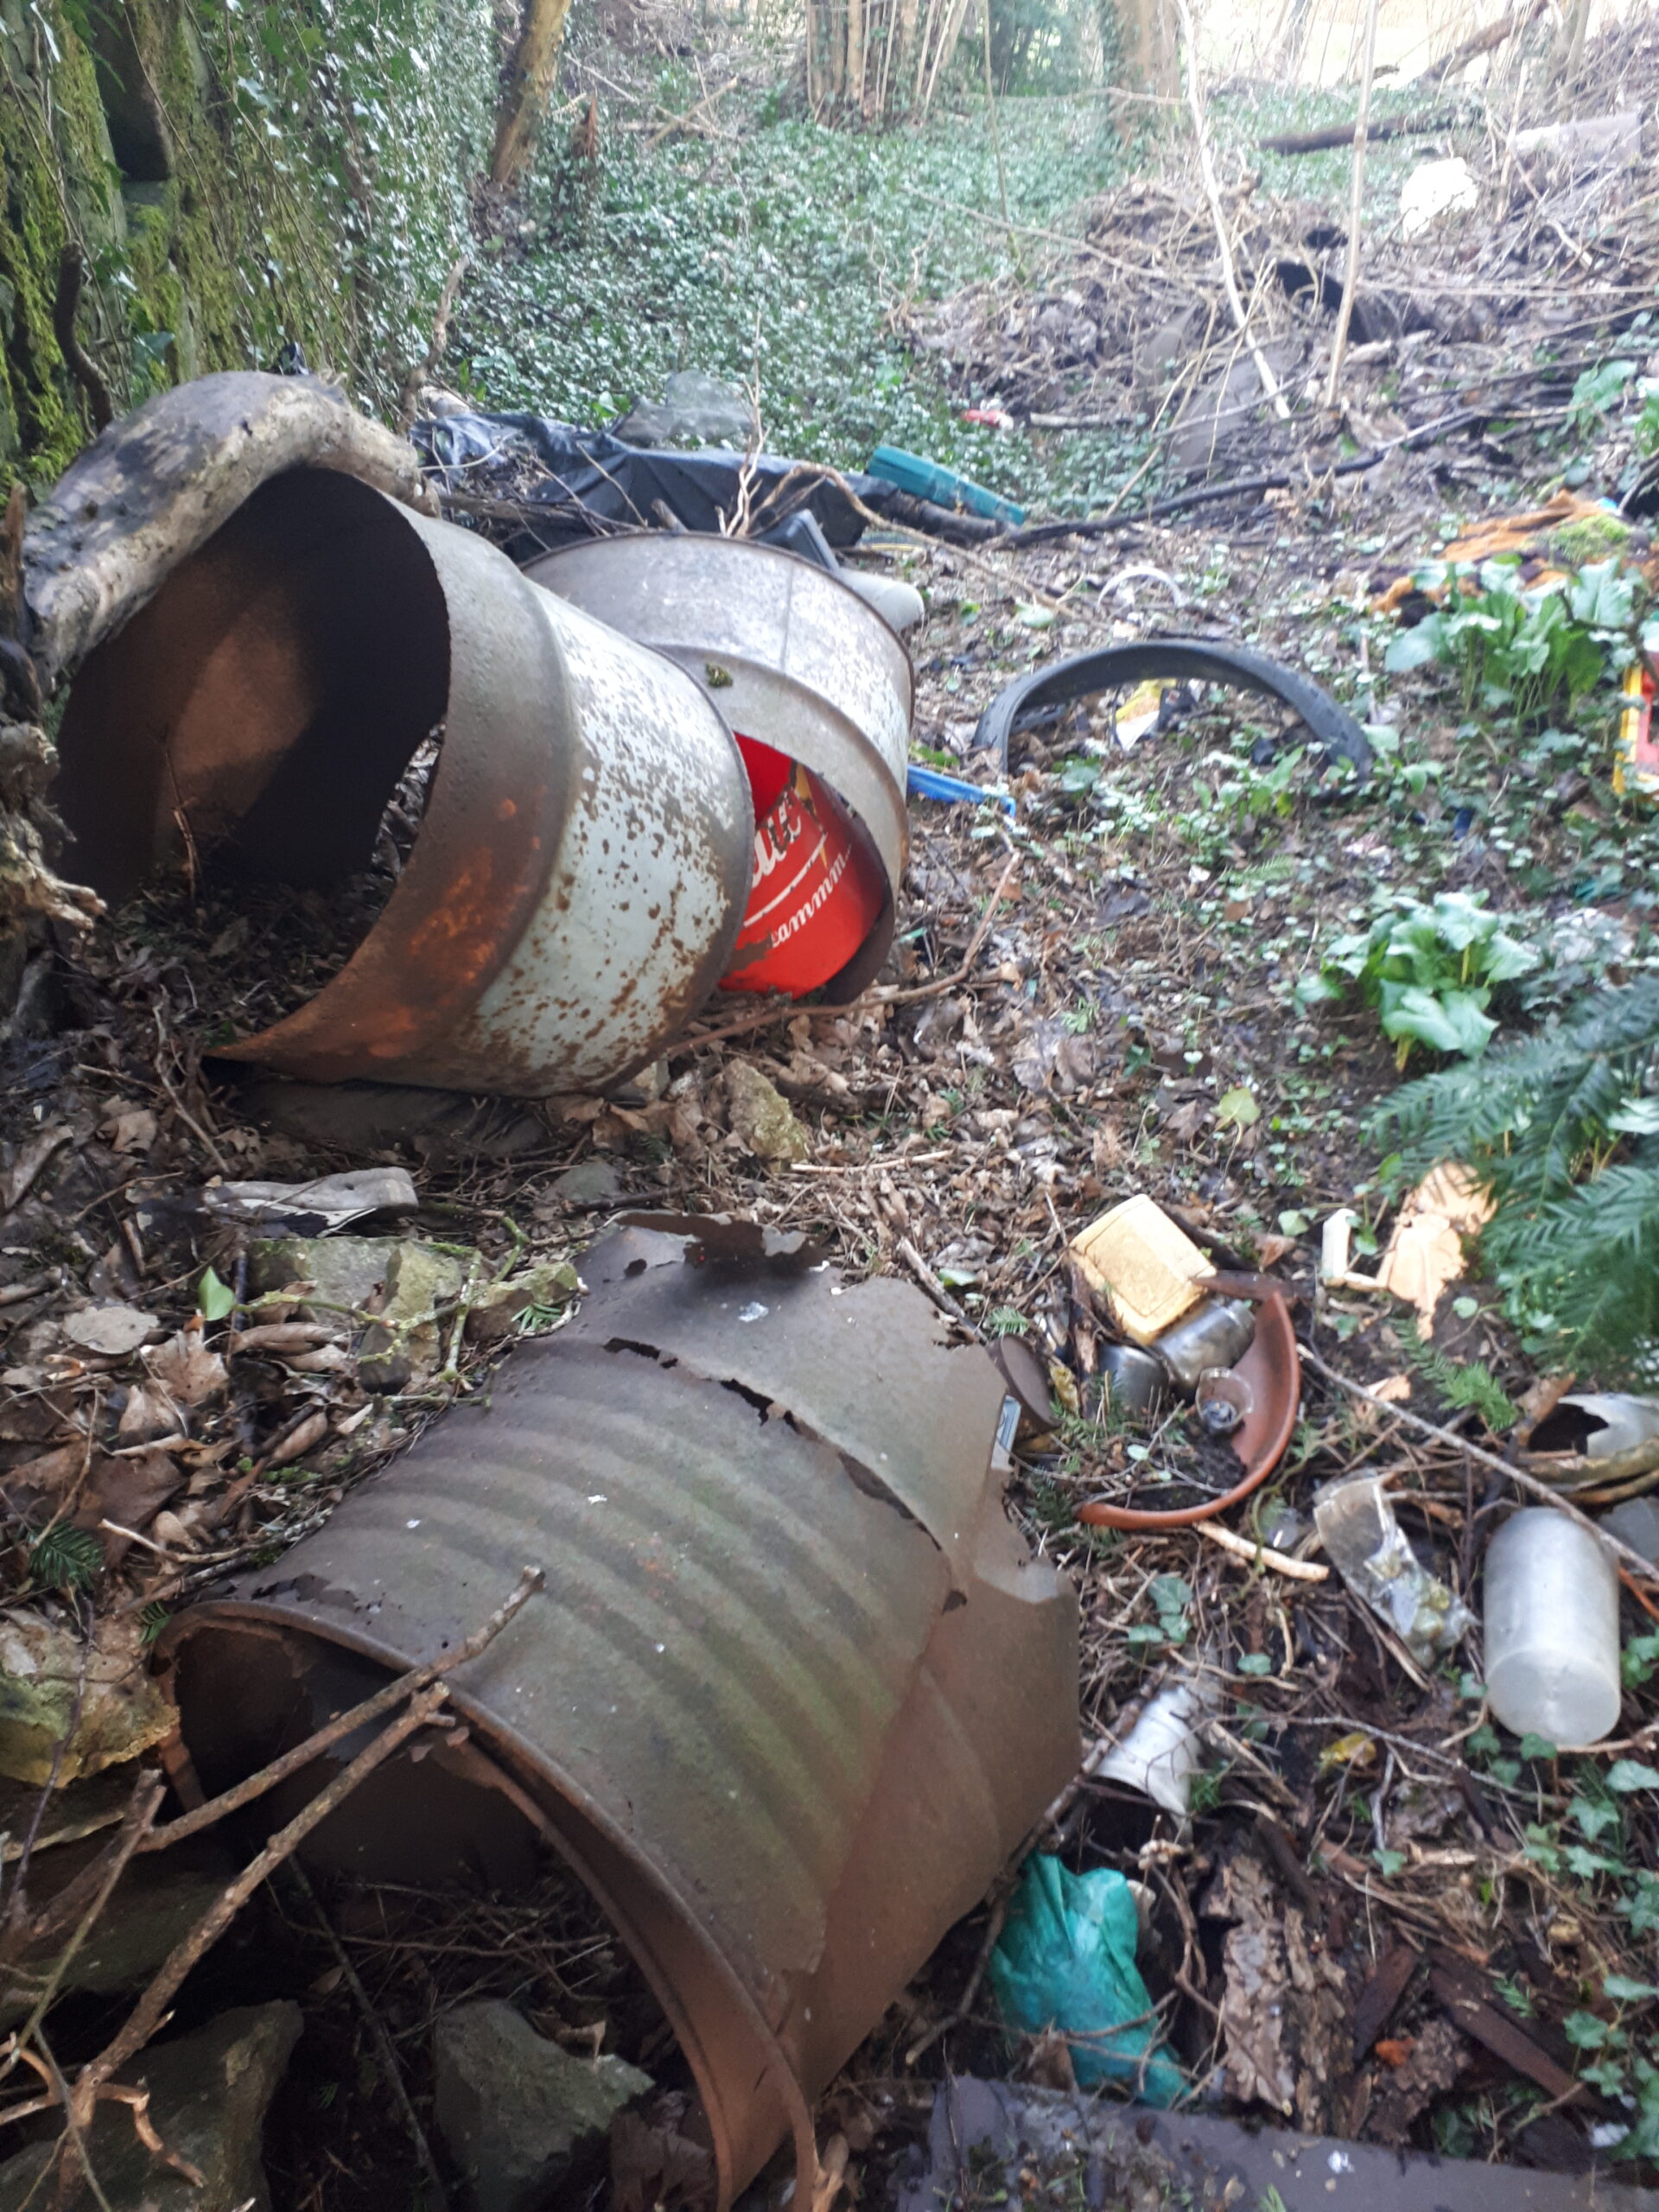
(1330, 726)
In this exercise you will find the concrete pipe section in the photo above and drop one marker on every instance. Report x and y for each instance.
(791, 656)
(578, 880)
(793, 1692)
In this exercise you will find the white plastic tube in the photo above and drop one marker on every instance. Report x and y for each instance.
(1552, 1629)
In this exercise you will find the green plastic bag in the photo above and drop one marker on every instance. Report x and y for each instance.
(1066, 1961)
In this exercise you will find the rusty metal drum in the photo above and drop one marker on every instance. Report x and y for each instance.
(796, 1688)
(579, 876)
(789, 655)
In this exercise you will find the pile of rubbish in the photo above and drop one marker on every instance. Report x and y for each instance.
(677, 1743)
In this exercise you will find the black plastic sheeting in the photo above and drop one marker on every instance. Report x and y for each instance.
(597, 482)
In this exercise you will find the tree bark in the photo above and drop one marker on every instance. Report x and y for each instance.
(530, 80)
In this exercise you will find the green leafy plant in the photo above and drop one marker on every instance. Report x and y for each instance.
(1172, 1596)
(1527, 648)
(1596, 394)
(1429, 969)
(63, 1557)
(1647, 423)
(1469, 1386)
(1563, 1130)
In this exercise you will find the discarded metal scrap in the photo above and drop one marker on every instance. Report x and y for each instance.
(268, 649)
(799, 1690)
(789, 655)
(576, 884)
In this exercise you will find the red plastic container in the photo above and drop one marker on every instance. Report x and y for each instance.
(818, 889)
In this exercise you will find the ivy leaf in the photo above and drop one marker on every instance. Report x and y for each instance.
(1627, 1775)
(1624, 1991)
(1585, 2032)
(1587, 1865)
(214, 1299)
(1592, 1820)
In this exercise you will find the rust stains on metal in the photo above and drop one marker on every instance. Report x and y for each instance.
(579, 877)
(789, 654)
(798, 1688)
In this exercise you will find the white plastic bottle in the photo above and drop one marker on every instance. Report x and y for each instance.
(1552, 1629)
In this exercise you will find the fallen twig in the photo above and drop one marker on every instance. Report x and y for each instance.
(1280, 479)
(135, 1825)
(931, 1283)
(151, 2010)
(683, 121)
(1356, 206)
(1219, 216)
(1347, 134)
(1484, 42)
(1299, 1570)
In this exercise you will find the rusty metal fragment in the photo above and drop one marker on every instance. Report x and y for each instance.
(796, 1688)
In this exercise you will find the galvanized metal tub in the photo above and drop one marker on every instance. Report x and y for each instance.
(579, 877)
(789, 654)
(795, 1689)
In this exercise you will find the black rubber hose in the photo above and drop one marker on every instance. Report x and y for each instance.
(1332, 728)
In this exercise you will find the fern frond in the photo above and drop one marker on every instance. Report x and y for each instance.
(1575, 1236)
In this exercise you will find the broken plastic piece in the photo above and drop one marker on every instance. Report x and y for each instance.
(1066, 1961)
(1426, 1250)
(943, 487)
(1138, 715)
(1335, 1249)
(956, 791)
(1552, 1629)
(1433, 189)
(312, 1209)
(1635, 759)
(1161, 1753)
(1598, 1425)
(1370, 1550)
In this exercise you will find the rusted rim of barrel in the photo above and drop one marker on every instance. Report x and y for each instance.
(636, 1896)
(499, 790)
(735, 590)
